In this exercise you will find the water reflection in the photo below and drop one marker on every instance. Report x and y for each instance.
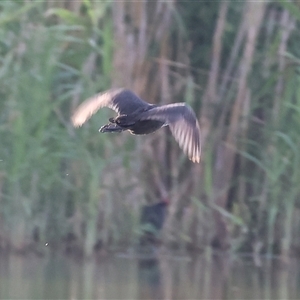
(150, 279)
(169, 277)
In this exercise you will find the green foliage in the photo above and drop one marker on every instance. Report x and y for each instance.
(40, 69)
(58, 182)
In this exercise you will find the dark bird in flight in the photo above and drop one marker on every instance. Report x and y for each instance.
(140, 117)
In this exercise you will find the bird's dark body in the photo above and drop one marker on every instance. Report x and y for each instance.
(145, 126)
(137, 126)
(133, 122)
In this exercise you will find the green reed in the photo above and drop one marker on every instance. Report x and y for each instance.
(58, 182)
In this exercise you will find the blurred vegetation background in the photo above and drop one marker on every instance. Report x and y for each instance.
(235, 63)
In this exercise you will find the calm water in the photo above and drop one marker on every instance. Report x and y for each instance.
(115, 277)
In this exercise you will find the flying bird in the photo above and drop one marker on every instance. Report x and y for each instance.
(140, 117)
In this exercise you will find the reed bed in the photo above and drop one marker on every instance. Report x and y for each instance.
(236, 64)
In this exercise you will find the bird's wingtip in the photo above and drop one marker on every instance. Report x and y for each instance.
(76, 123)
(195, 159)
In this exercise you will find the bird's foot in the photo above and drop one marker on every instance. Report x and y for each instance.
(110, 128)
(103, 128)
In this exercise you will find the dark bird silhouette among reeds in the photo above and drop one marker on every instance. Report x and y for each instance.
(154, 215)
(152, 219)
(140, 117)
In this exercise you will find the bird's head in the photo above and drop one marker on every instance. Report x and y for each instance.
(166, 200)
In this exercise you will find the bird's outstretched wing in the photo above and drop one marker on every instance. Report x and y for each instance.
(122, 101)
(183, 124)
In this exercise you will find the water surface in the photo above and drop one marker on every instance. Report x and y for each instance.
(169, 277)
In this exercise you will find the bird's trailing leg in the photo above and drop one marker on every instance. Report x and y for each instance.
(111, 128)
